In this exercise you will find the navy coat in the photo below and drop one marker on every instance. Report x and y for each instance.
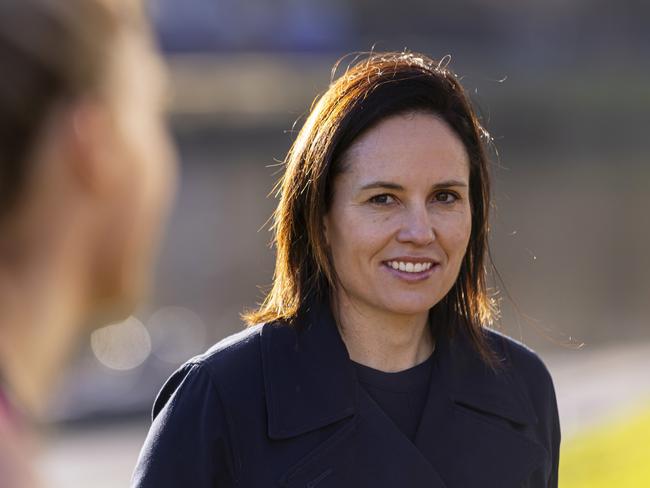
(280, 406)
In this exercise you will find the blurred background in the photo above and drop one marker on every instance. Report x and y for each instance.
(564, 89)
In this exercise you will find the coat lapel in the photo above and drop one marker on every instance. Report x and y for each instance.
(308, 378)
(473, 421)
(469, 434)
(369, 450)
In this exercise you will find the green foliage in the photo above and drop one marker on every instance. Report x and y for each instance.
(615, 455)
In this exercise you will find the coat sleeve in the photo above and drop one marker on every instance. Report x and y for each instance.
(555, 436)
(187, 444)
(548, 434)
(538, 384)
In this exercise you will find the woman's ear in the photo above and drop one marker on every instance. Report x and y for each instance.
(75, 154)
(91, 148)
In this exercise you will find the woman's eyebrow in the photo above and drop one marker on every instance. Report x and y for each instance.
(394, 186)
(448, 183)
(382, 184)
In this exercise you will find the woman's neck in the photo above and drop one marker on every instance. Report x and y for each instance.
(40, 311)
(381, 340)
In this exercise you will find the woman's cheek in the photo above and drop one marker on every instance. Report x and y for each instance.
(454, 233)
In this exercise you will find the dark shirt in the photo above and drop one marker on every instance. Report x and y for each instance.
(400, 395)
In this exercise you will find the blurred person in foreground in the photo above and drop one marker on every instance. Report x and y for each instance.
(86, 175)
(370, 363)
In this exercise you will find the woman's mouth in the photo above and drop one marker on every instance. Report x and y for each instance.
(411, 269)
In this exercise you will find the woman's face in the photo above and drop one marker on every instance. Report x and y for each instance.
(400, 217)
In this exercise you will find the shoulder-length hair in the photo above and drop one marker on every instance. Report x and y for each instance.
(374, 88)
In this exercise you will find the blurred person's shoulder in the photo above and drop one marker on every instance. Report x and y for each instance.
(16, 448)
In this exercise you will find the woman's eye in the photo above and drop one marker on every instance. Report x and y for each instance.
(383, 199)
(446, 197)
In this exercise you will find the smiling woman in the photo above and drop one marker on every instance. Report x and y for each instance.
(411, 230)
(370, 361)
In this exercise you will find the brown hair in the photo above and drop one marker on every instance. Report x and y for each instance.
(51, 51)
(372, 89)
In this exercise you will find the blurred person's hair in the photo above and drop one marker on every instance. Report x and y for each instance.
(379, 86)
(52, 52)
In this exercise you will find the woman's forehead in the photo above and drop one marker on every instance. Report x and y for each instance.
(403, 147)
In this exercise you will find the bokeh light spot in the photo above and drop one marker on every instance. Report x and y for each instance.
(177, 334)
(121, 346)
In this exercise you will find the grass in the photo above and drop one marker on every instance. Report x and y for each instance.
(614, 455)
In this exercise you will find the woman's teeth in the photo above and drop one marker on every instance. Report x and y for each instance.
(410, 267)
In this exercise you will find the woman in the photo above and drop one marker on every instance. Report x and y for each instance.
(370, 364)
(86, 172)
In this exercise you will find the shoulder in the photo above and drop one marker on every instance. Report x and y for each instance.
(518, 358)
(236, 348)
(528, 370)
(190, 442)
(212, 371)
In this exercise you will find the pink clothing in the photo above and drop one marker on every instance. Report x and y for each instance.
(15, 469)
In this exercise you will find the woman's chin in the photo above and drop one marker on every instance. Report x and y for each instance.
(413, 307)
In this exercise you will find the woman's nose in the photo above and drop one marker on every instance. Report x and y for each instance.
(417, 227)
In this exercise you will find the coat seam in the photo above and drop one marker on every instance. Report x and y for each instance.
(231, 444)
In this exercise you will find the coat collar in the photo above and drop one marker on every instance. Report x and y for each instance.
(471, 382)
(310, 382)
(308, 377)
